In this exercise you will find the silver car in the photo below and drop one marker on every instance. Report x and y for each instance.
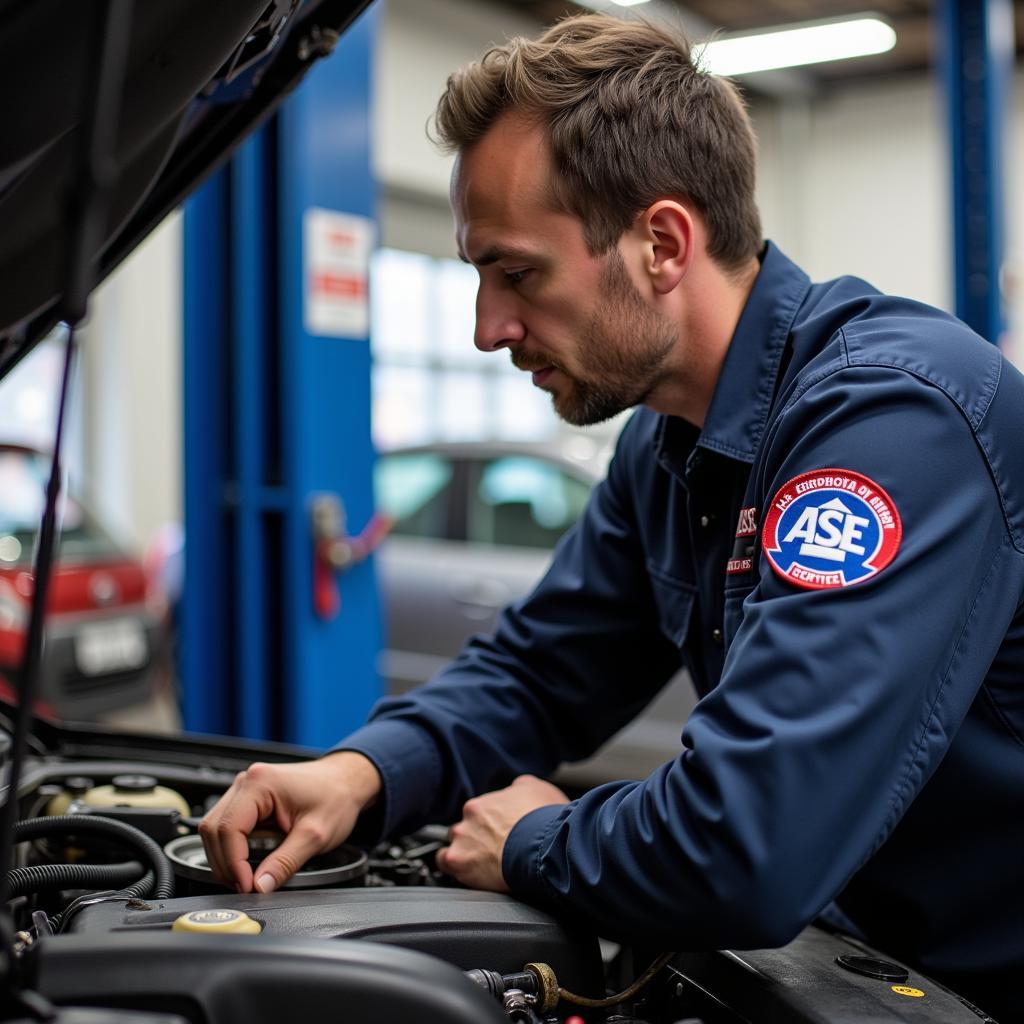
(475, 524)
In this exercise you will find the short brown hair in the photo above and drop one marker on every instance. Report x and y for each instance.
(630, 119)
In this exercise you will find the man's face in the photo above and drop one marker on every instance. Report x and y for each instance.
(577, 321)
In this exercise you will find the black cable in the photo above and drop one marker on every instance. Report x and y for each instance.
(107, 828)
(59, 922)
(45, 877)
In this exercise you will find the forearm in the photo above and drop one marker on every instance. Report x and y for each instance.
(557, 679)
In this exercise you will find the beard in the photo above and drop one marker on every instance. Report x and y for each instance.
(622, 354)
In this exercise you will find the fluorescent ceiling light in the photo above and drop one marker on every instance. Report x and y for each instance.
(812, 43)
(628, 3)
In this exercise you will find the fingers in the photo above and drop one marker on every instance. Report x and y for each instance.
(451, 859)
(315, 802)
(225, 830)
(304, 841)
(227, 849)
(474, 854)
(442, 862)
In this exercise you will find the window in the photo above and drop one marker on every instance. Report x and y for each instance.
(523, 502)
(415, 488)
(430, 383)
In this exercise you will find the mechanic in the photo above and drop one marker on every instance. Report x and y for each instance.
(818, 508)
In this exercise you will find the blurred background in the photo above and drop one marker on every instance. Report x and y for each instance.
(242, 407)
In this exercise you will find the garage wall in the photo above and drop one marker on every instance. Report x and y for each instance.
(853, 181)
(131, 380)
(856, 182)
(420, 45)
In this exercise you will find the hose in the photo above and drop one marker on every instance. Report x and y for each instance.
(161, 885)
(44, 877)
(539, 983)
(619, 997)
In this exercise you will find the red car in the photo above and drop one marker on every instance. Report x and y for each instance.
(102, 626)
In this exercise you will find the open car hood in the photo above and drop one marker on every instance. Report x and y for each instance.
(200, 76)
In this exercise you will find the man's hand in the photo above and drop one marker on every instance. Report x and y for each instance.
(478, 841)
(315, 802)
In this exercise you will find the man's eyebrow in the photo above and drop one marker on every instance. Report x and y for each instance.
(496, 253)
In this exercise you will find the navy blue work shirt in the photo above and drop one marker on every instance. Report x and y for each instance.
(838, 559)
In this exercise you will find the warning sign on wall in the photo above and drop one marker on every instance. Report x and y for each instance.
(336, 264)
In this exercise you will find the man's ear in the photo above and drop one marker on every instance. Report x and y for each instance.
(667, 232)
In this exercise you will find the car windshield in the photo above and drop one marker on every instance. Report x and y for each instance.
(23, 477)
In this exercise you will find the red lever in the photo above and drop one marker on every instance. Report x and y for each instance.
(334, 551)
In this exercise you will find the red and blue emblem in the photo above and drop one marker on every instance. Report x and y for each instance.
(831, 528)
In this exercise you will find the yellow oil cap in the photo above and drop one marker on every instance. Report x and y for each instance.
(217, 921)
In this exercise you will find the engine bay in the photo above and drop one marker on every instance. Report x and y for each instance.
(115, 907)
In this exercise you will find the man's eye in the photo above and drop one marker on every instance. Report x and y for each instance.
(515, 276)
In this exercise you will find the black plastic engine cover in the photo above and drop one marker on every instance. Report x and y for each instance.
(465, 928)
(249, 979)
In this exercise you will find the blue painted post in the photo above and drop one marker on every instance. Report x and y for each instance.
(277, 412)
(204, 661)
(978, 60)
(324, 168)
(252, 262)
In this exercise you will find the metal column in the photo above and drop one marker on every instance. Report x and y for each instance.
(978, 60)
(277, 412)
(205, 615)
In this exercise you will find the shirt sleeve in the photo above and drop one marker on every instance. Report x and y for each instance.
(557, 679)
(834, 706)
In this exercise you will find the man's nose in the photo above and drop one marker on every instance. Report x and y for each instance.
(497, 326)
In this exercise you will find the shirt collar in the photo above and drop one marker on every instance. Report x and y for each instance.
(746, 385)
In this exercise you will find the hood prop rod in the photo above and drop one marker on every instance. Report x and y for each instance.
(86, 223)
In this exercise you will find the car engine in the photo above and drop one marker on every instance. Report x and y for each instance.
(115, 907)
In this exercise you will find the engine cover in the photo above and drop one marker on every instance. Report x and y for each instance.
(467, 929)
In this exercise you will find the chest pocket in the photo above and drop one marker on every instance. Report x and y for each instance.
(733, 614)
(674, 599)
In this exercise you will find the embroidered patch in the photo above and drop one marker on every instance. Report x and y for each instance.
(742, 559)
(831, 528)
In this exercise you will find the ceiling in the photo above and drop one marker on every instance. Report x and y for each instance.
(916, 47)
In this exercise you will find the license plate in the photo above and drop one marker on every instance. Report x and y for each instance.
(117, 646)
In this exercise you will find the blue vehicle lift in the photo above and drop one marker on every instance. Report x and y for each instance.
(277, 420)
(978, 61)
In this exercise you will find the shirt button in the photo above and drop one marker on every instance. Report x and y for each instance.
(705, 521)
(716, 635)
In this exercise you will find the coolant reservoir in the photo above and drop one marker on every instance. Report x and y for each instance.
(136, 791)
(74, 789)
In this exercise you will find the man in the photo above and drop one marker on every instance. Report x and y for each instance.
(818, 508)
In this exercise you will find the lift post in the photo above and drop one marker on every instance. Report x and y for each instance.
(277, 415)
(978, 45)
